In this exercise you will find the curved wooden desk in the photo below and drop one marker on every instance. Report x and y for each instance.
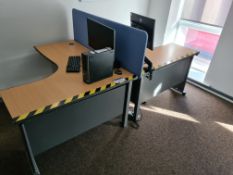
(167, 54)
(60, 86)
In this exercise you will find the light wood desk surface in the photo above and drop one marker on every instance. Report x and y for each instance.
(58, 86)
(167, 54)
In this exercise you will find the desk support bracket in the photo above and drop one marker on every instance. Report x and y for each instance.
(150, 68)
(35, 169)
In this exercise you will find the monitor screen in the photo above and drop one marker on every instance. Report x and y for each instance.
(146, 24)
(99, 35)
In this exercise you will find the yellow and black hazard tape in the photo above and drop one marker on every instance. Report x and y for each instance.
(72, 99)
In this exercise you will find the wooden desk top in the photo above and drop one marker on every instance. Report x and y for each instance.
(59, 86)
(168, 54)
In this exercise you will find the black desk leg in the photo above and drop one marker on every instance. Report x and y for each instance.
(126, 105)
(35, 169)
(137, 104)
(135, 116)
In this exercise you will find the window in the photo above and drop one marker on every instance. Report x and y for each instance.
(212, 12)
(200, 28)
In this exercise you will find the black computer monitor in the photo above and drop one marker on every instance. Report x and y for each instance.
(146, 24)
(99, 35)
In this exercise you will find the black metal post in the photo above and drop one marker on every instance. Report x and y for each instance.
(137, 103)
(35, 169)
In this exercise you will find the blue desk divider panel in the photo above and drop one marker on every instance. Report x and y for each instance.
(130, 42)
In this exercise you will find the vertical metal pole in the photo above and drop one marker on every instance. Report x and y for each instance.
(137, 102)
(35, 169)
(126, 105)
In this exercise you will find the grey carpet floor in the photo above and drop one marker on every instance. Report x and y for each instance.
(190, 135)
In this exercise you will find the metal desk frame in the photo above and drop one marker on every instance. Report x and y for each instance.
(171, 76)
(46, 131)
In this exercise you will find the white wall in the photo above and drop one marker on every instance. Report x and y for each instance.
(26, 23)
(220, 74)
(117, 10)
(173, 20)
(159, 10)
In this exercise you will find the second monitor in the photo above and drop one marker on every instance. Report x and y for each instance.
(99, 35)
(146, 24)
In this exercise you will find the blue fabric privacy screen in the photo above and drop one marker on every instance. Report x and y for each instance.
(130, 43)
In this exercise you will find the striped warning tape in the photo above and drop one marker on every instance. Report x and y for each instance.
(73, 99)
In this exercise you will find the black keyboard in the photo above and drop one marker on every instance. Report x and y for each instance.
(73, 64)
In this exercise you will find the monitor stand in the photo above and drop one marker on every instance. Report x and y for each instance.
(117, 67)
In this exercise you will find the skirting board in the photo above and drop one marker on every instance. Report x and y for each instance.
(211, 90)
